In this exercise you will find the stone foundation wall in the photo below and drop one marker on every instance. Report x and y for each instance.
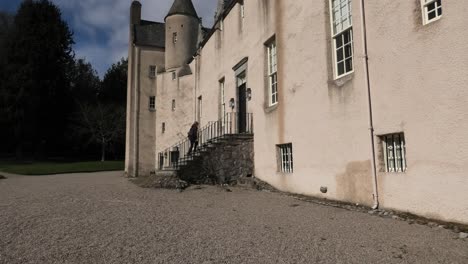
(222, 164)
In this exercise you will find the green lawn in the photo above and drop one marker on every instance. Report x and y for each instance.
(44, 168)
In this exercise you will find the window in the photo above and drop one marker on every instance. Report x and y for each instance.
(173, 105)
(174, 76)
(152, 71)
(432, 10)
(163, 128)
(285, 158)
(394, 152)
(174, 37)
(272, 74)
(342, 32)
(222, 100)
(199, 109)
(152, 103)
(242, 9)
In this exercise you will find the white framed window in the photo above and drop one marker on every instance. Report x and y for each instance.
(242, 9)
(342, 32)
(272, 73)
(199, 108)
(221, 25)
(152, 103)
(394, 152)
(222, 99)
(174, 37)
(432, 10)
(152, 71)
(285, 158)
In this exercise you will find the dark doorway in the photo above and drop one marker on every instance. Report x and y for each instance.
(242, 111)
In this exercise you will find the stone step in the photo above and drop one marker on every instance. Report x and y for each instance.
(165, 173)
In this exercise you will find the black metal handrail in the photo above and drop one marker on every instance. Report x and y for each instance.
(231, 124)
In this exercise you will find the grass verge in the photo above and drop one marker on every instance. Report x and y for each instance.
(45, 168)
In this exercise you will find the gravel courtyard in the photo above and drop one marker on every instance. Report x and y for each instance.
(104, 218)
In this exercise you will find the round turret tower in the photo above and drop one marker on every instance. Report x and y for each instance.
(182, 31)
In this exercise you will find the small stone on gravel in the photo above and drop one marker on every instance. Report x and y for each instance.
(463, 235)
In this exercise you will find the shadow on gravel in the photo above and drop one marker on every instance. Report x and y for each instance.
(2, 177)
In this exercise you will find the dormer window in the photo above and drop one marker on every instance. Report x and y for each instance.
(174, 37)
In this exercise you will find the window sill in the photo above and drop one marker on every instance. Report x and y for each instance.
(271, 108)
(427, 22)
(284, 174)
(392, 173)
(152, 110)
(343, 79)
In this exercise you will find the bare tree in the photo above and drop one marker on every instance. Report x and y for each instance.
(103, 124)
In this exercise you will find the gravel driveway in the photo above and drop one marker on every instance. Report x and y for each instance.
(103, 218)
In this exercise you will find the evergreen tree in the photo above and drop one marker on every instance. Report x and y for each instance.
(6, 23)
(85, 83)
(37, 84)
(114, 84)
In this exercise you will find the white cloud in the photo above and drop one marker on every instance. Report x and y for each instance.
(102, 25)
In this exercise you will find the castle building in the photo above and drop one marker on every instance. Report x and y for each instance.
(351, 100)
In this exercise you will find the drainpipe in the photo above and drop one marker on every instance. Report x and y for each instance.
(369, 100)
(136, 113)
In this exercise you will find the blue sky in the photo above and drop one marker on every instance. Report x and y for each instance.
(101, 26)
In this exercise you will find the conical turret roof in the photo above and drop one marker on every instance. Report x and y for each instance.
(182, 7)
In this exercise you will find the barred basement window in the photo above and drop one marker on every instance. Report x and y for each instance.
(174, 37)
(342, 31)
(394, 152)
(272, 74)
(152, 103)
(432, 10)
(163, 128)
(173, 105)
(152, 71)
(285, 158)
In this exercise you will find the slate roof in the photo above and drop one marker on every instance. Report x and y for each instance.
(182, 7)
(150, 33)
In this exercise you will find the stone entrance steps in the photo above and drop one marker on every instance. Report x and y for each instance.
(221, 160)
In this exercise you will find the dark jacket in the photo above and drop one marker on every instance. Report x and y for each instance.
(193, 133)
